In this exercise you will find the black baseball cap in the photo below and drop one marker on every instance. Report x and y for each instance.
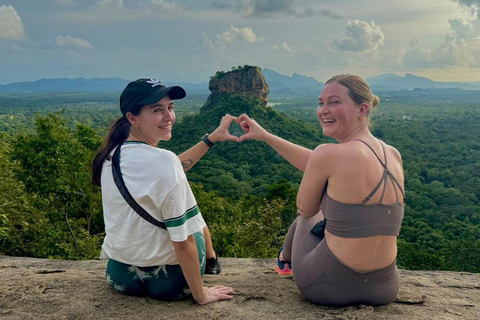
(145, 91)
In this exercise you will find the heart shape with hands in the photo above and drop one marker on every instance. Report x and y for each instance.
(251, 129)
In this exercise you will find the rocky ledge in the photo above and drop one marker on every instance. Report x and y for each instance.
(246, 81)
(57, 289)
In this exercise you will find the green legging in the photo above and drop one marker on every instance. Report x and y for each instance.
(159, 282)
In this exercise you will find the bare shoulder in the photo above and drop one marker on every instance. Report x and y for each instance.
(323, 156)
(326, 151)
(328, 156)
(394, 152)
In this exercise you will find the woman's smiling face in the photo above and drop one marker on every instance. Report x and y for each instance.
(337, 113)
(155, 121)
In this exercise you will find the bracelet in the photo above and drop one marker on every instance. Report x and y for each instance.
(207, 141)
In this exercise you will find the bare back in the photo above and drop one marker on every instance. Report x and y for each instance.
(356, 173)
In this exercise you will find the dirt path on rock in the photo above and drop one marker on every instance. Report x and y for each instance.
(57, 289)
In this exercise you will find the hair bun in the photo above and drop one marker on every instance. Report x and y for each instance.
(375, 101)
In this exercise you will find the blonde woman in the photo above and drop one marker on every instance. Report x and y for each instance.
(355, 187)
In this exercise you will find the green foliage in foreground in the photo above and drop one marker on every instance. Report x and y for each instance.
(65, 208)
(249, 227)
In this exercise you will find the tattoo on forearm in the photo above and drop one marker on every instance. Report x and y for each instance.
(187, 163)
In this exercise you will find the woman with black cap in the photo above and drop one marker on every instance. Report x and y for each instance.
(156, 240)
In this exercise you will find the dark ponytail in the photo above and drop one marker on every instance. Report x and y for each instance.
(117, 135)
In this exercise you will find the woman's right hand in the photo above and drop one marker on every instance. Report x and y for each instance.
(217, 293)
(252, 129)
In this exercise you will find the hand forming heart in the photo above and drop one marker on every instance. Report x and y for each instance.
(252, 130)
(222, 133)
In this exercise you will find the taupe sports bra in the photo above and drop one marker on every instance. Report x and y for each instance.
(365, 220)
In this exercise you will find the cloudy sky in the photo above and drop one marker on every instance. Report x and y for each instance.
(189, 40)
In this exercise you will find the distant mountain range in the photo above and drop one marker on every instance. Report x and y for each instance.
(84, 85)
(280, 85)
(296, 84)
(391, 81)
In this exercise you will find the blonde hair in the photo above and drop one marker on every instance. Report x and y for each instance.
(358, 90)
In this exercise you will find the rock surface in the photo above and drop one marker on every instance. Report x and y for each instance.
(57, 289)
(246, 82)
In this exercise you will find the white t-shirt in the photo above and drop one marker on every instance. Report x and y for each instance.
(156, 180)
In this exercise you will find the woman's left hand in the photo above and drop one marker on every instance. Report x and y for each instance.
(222, 133)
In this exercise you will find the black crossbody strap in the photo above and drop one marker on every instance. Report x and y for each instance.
(118, 178)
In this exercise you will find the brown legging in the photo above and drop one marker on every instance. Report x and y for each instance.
(322, 278)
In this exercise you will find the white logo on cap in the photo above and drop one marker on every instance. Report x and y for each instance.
(155, 82)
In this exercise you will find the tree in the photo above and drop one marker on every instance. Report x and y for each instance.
(249, 227)
(3, 226)
(54, 165)
(15, 204)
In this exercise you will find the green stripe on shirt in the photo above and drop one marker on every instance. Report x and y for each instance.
(181, 220)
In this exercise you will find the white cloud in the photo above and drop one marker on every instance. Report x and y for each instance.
(360, 36)
(414, 42)
(469, 50)
(64, 2)
(467, 28)
(308, 48)
(232, 47)
(207, 43)
(220, 5)
(148, 7)
(263, 7)
(389, 61)
(464, 29)
(72, 42)
(465, 46)
(446, 54)
(469, 3)
(108, 6)
(302, 12)
(277, 8)
(11, 26)
(153, 6)
(416, 58)
(234, 34)
(117, 10)
(287, 48)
